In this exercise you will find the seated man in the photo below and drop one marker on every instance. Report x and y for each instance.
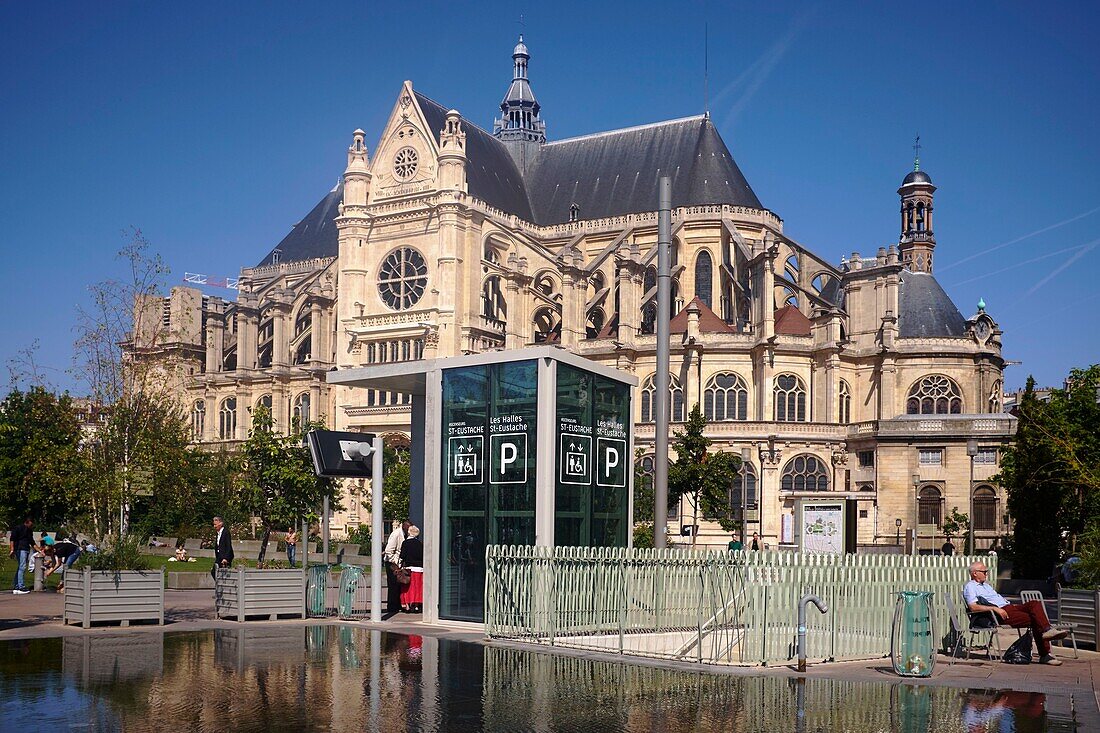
(980, 596)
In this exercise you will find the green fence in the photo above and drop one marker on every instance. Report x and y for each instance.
(716, 607)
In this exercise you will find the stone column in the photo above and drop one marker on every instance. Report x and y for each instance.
(280, 344)
(215, 341)
(247, 327)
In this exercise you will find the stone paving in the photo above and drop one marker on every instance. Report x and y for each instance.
(38, 615)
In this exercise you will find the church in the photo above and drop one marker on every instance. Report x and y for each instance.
(859, 380)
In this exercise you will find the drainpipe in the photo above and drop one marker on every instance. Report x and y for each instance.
(808, 598)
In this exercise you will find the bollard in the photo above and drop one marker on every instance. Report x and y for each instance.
(39, 575)
(808, 598)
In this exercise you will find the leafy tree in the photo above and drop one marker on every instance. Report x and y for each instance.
(957, 524)
(277, 482)
(703, 476)
(1052, 474)
(40, 464)
(643, 504)
(396, 483)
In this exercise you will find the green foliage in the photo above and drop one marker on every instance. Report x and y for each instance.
(643, 535)
(360, 536)
(1052, 474)
(40, 465)
(116, 554)
(277, 482)
(703, 476)
(643, 491)
(396, 484)
(957, 524)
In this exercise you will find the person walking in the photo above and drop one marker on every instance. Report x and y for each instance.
(948, 548)
(20, 541)
(392, 557)
(223, 547)
(291, 545)
(412, 559)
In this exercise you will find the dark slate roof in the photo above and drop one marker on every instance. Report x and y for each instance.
(916, 177)
(491, 173)
(926, 310)
(614, 173)
(315, 235)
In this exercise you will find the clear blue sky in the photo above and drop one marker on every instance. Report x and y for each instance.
(214, 127)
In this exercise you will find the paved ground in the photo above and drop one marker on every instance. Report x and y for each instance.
(38, 615)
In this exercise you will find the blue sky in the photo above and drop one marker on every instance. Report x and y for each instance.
(214, 127)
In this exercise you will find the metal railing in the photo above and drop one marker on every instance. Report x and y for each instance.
(715, 607)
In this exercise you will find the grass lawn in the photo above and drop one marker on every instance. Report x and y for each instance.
(7, 575)
(201, 564)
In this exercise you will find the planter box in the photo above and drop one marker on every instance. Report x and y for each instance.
(105, 595)
(1081, 607)
(189, 581)
(268, 593)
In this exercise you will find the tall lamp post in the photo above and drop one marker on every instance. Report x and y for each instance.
(897, 523)
(916, 512)
(972, 451)
(746, 454)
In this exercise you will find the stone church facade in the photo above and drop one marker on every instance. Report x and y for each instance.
(860, 380)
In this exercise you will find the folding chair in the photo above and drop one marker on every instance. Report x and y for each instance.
(968, 632)
(1037, 595)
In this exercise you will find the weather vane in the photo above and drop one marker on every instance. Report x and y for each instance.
(916, 154)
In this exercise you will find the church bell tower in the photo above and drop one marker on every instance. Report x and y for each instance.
(917, 240)
(519, 126)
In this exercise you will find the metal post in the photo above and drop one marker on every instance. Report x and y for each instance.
(821, 606)
(972, 451)
(661, 381)
(304, 543)
(746, 454)
(324, 530)
(376, 538)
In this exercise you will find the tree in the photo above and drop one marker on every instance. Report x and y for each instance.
(1052, 474)
(396, 483)
(957, 524)
(643, 504)
(40, 464)
(277, 482)
(119, 358)
(703, 476)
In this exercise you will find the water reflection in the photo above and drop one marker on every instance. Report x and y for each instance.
(259, 678)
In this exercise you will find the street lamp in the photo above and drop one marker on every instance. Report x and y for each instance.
(972, 451)
(897, 523)
(746, 454)
(916, 512)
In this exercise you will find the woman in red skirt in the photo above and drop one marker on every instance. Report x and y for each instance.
(412, 559)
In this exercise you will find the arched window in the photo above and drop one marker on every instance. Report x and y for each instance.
(647, 465)
(545, 284)
(649, 317)
(704, 276)
(985, 509)
(227, 419)
(790, 399)
(929, 506)
(676, 399)
(844, 413)
(299, 411)
(493, 305)
(726, 398)
(805, 473)
(595, 323)
(547, 325)
(745, 485)
(198, 419)
(934, 395)
(304, 351)
(595, 284)
(264, 401)
(995, 396)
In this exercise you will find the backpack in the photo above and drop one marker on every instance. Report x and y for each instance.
(1020, 651)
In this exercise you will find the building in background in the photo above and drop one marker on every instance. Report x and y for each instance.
(860, 381)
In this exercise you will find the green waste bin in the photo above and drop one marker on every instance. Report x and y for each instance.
(913, 636)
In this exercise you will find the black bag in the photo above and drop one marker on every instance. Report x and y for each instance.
(1020, 651)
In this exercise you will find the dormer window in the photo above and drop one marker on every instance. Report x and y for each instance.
(574, 212)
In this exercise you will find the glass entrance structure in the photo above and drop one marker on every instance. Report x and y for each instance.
(529, 446)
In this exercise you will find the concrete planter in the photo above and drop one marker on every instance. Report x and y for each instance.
(107, 595)
(1081, 607)
(243, 593)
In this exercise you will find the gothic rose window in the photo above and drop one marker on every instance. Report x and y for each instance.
(790, 399)
(649, 403)
(402, 279)
(934, 395)
(726, 398)
(405, 164)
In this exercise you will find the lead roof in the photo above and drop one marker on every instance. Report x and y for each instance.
(925, 309)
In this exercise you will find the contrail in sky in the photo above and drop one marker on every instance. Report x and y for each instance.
(1019, 239)
(1084, 251)
(1020, 264)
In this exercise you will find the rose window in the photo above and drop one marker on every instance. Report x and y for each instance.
(402, 279)
(405, 164)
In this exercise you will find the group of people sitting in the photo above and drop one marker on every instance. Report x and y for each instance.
(981, 597)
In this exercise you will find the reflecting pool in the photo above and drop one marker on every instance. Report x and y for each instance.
(345, 678)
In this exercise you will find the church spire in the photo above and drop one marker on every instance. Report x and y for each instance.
(917, 242)
(519, 125)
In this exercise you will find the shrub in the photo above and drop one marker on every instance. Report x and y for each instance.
(117, 554)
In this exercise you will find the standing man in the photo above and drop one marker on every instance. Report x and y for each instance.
(21, 540)
(392, 557)
(291, 545)
(223, 547)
